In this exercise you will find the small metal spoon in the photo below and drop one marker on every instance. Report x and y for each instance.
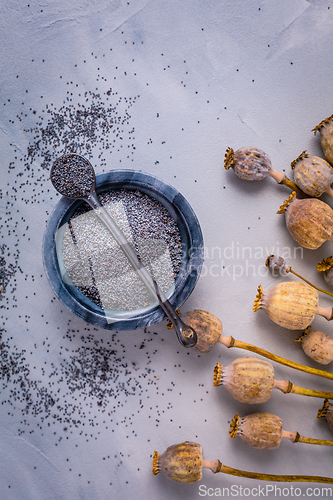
(73, 176)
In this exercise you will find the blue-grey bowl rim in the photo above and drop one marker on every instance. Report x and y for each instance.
(179, 209)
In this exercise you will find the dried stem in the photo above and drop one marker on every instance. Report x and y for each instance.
(295, 437)
(231, 342)
(323, 442)
(295, 389)
(216, 466)
(278, 263)
(290, 184)
(329, 191)
(289, 270)
(326, 312)
(286, 387)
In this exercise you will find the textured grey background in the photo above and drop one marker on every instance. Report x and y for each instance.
(188, 80)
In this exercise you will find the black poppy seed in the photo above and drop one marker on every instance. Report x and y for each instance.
(87, 381)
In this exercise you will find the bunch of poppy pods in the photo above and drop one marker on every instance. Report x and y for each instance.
(291, 304)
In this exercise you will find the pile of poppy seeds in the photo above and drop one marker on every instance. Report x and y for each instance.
(73, 176)
(80, 129)
(153, 232)
(8, 269)
(96, 370)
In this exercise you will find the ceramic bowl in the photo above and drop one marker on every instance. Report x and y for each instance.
(191, 240)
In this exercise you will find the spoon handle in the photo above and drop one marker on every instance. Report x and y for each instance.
(186, 335)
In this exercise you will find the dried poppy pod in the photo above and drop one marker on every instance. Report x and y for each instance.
(184, 462)
(277, 265)
(325, 129)
(251, 380)
(326, 266)
(309, 221)
(313, 175)
(259, 430)
(326, 412)
(209, 332)
(181, 462)
(291, 304)
(248, 380)
(317, 345)
(207, 327)
(264, 431)
(252, 164)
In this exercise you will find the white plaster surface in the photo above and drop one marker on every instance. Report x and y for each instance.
(188, 80)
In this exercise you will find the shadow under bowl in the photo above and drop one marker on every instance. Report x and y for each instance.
(191, 241)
